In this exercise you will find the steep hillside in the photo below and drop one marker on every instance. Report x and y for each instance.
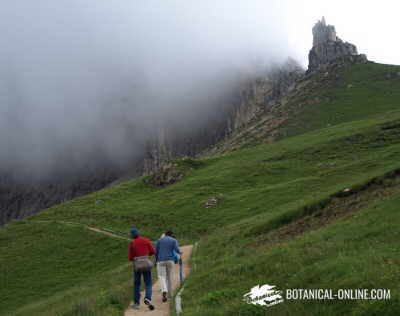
(322, 250)
(314, 207)
(262, 194)
(53, 268)
(301, 192)
(343, 92)
(294, 168)
(341, 95)
(26, 188)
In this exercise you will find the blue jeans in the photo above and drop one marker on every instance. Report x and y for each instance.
(137, 277)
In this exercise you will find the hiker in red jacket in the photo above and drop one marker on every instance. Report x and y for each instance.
(139, 251)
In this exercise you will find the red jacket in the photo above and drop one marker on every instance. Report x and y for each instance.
(139, 247)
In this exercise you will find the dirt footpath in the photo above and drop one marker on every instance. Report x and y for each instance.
(162, 309)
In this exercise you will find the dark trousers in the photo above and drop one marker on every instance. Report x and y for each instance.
(137, 278)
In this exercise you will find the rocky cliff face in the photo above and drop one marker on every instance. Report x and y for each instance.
(269, 101)
(329, 48)
(175, 140)
(255, 109)
(261, 109)
(261, 94)
(254, 98)
(250, 113)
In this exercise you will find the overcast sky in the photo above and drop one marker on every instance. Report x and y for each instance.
(97, 78)
(373, 26)
(76, 75)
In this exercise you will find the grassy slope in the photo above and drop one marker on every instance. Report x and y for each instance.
(345, 95)
(41, 260)
(267, 178)
(361, 251)
(258, 189)
(263, 186)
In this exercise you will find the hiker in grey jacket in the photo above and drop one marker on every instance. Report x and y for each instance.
(166, 249)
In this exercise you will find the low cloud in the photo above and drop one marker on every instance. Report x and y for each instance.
(90, 81)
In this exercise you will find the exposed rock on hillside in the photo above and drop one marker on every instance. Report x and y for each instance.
(167, 174)
(268, 102)
(213, 202)
(252, 98)
(329, 48)
(261, 109)
(249, 112)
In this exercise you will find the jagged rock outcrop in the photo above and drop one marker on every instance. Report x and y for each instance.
(261, 108)
(251, 112)
(174, 140)
(258, 105)
(166, 174)
(261, 94)
(254, 97)
(329, 48)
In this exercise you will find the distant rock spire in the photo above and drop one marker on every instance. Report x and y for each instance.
(323, 33)
(328, 47)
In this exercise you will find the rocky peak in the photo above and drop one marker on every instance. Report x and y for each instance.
(323, 33)
(328, 48)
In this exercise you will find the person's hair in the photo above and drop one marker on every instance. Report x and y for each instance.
(169, 233)
(134, 233)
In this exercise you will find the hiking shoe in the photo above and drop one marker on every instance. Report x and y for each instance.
(148, 303)
(135, 306)
(164, 296)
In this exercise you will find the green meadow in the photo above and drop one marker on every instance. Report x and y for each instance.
(316, 209)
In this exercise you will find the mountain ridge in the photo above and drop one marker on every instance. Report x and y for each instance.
(293, 200)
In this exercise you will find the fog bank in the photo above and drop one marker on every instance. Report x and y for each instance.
(87, 82)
